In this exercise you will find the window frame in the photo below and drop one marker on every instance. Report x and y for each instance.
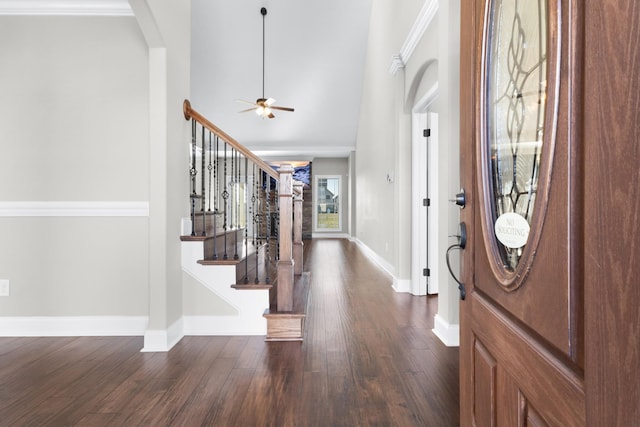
(316, 204)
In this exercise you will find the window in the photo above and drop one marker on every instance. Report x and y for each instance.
(327, 210)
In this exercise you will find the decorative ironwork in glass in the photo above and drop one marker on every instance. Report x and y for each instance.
(516, 88)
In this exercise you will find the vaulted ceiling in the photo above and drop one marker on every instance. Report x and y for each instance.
(314, 62)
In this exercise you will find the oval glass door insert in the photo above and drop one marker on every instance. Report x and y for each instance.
(516, 96)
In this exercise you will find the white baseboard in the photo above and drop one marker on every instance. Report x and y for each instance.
(408, 286)
(224, 325)
(161, 340)
(448, 333)
(382, 263)
(329, 236)
(401, 285)
(54, 326)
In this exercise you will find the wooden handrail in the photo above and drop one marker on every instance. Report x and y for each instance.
(190, 113)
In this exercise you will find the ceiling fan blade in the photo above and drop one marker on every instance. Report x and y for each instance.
(275, 107)
(248, 109)
(271, 116)
(246, 102)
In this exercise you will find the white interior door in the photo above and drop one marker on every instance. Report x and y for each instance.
(424, 216)
(430, 240)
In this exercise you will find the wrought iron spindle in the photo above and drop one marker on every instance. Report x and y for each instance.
(238, 190)
(225, 196)
(202, 186)
(192, 173)
(254, 232)
(276, 222)
(234, 200)
(216, 201)
(267, 193)
(210, 169)
(246, 225)
(216, 176)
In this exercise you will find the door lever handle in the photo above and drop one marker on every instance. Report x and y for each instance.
(462, 241)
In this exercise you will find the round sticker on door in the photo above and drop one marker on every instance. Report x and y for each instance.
(512, 230)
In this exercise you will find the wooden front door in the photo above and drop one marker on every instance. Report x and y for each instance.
(549, 310)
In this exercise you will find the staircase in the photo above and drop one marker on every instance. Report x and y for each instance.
(245, 239)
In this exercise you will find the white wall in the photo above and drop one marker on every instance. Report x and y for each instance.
(166, 26)
(377, 138)
(73, 127)
(92, 114)
(384, 138)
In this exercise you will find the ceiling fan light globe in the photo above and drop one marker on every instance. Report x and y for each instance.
(260, 111)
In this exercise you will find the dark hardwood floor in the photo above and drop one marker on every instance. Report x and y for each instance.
(369, 358)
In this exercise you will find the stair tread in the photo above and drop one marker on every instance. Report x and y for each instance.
(189, 238)
(199, 236)
(283, 314)
(249, 286)
(229, 261)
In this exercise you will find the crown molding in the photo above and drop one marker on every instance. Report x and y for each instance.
(396, 63)
(66, 7)
(424, 18)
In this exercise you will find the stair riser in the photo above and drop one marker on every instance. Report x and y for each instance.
(248, 268)
(211, 219)
(234, 244)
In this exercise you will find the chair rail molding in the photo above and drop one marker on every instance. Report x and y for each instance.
(86, 209)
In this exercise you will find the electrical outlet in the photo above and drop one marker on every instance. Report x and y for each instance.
(4, 288)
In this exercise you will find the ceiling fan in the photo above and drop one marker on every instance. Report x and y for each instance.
(264, 106)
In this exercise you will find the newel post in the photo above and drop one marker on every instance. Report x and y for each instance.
(285, 264)
(298, 246)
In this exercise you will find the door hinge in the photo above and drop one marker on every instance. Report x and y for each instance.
(426, 272)
(426, 133)
(426, 202)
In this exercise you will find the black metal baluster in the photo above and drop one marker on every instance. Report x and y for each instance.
(203, 202)
(246, 219)
(216, 176)
(234, 199)
(238, 202)
(210, 169)
(216, 194)
(267, 193)
(276, 221)
(230, 189)
(192, 173)
(256, 183)
(225, 196)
